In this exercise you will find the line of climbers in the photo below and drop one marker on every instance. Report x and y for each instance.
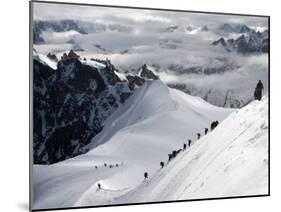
(174, 153)
(110, 165)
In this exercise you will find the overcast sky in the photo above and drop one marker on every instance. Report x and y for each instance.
(47, 11)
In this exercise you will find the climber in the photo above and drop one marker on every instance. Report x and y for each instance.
(206, 131)
(258, 90)
(184, 146)
(145, 175)
(170, 157)
(214, 124)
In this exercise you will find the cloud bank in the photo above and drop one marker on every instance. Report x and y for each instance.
(176, 44)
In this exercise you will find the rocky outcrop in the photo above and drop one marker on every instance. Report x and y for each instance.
(71, 105)
(148, 74)
(52, 57)
(70, 56)
(135, 81)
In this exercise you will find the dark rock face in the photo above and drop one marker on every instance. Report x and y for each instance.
(135, 81)
(71, 105)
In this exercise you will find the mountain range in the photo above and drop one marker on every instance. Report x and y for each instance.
(66, 25)
(224, 53)
(249, 42)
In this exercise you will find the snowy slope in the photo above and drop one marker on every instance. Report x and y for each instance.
(154, 121)
(230, 161)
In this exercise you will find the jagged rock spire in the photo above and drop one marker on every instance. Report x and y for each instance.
(70, 55)
(52, 57)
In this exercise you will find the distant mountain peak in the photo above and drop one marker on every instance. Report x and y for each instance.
(233, 27)
(172, 28)
(69, 56)
(220, 41)
(251, 42)
(189, 28)
(205, 29)
(147, 73)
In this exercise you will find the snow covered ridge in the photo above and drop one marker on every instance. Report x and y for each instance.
(231, 160)
(72, 99)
